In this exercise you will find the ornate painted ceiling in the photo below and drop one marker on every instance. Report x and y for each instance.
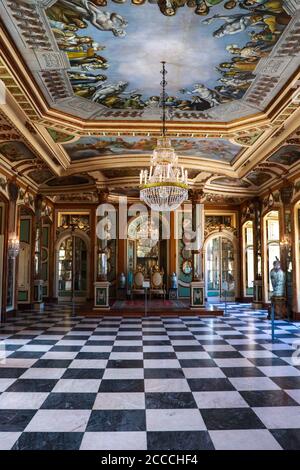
(100, 59)
(80, 93)
(92, 147)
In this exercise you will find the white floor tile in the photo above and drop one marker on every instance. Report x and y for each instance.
(253, 383)
(223, 399)
(43, 373)
(237, 362)
(120, 401)
(59, 421)
(279, 417)
(114, 441)
(161, 364)
(5, 383)
(22, 401)
(123, 374)
(244, 439)
(77, 385)
(295, 394)
(203, 373)
(280, 371)
(174, 420)
(88, 364)
(166, 385)
(8, 439)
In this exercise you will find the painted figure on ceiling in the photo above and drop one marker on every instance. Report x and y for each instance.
(205, 93)
(80, 12)
(274, 6)
(248, 51)
(203, 7)
(238, 23)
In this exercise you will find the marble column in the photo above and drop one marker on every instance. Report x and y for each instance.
(257, 252)
(101, 286)
(38, 281)
(286, 246)
(10, 302)
(197, 296)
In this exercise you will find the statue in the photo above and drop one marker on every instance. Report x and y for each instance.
(173, 278)
(122, 281)
(277, 276)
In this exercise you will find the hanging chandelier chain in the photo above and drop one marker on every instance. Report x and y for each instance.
(165, 185)
(163, 97)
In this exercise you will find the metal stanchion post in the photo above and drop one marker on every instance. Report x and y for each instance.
(273, 321)
(145, 301)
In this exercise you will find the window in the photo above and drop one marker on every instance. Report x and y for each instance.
(248, 258)
(272, 244)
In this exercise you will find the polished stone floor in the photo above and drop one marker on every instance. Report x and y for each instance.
(156, 383)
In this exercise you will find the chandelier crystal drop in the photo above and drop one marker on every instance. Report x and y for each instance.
(165, 186)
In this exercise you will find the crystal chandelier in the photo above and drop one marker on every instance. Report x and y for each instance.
(165, 186)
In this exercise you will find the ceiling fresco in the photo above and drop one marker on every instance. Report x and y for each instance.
(73, 180)
(286, 155)
(41, 175)
(16, 151)
(258, 178)
(100, 59)
(232, 182)
(212, 149)
(114, 48)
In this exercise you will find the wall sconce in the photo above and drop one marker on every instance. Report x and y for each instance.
(285, 241)
(13, 246)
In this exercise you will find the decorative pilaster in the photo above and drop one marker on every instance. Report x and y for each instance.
(257, 251)
(286, 195)
(101, 286)
(13, 242)
(38, 281)
(197, 299)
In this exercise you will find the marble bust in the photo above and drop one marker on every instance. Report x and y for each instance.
(277, 276)
(173, 281)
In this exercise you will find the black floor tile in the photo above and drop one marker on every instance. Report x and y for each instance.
(187, 363)
(83, 374)
(287, 382)
(179, 440)
(170, 400)
(267, 361)
(163, 373)
(117, 421)
(15, 420)
(257, 398)
(289, 439)
(69, 401)
(208, 385)
(231, 418)
(92, 355)
(52, 363)
(49, 441)
(122, 385)
(224, 354)
(125, 364)
(32, 385)
(242, 372)
(160, 355)
(11, 372)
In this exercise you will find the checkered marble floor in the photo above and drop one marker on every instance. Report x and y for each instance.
(156, 383)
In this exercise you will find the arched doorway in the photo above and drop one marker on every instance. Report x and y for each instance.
(271, 248)
(72, 266)
(146, 246)
(220, 268)
(25, 259)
